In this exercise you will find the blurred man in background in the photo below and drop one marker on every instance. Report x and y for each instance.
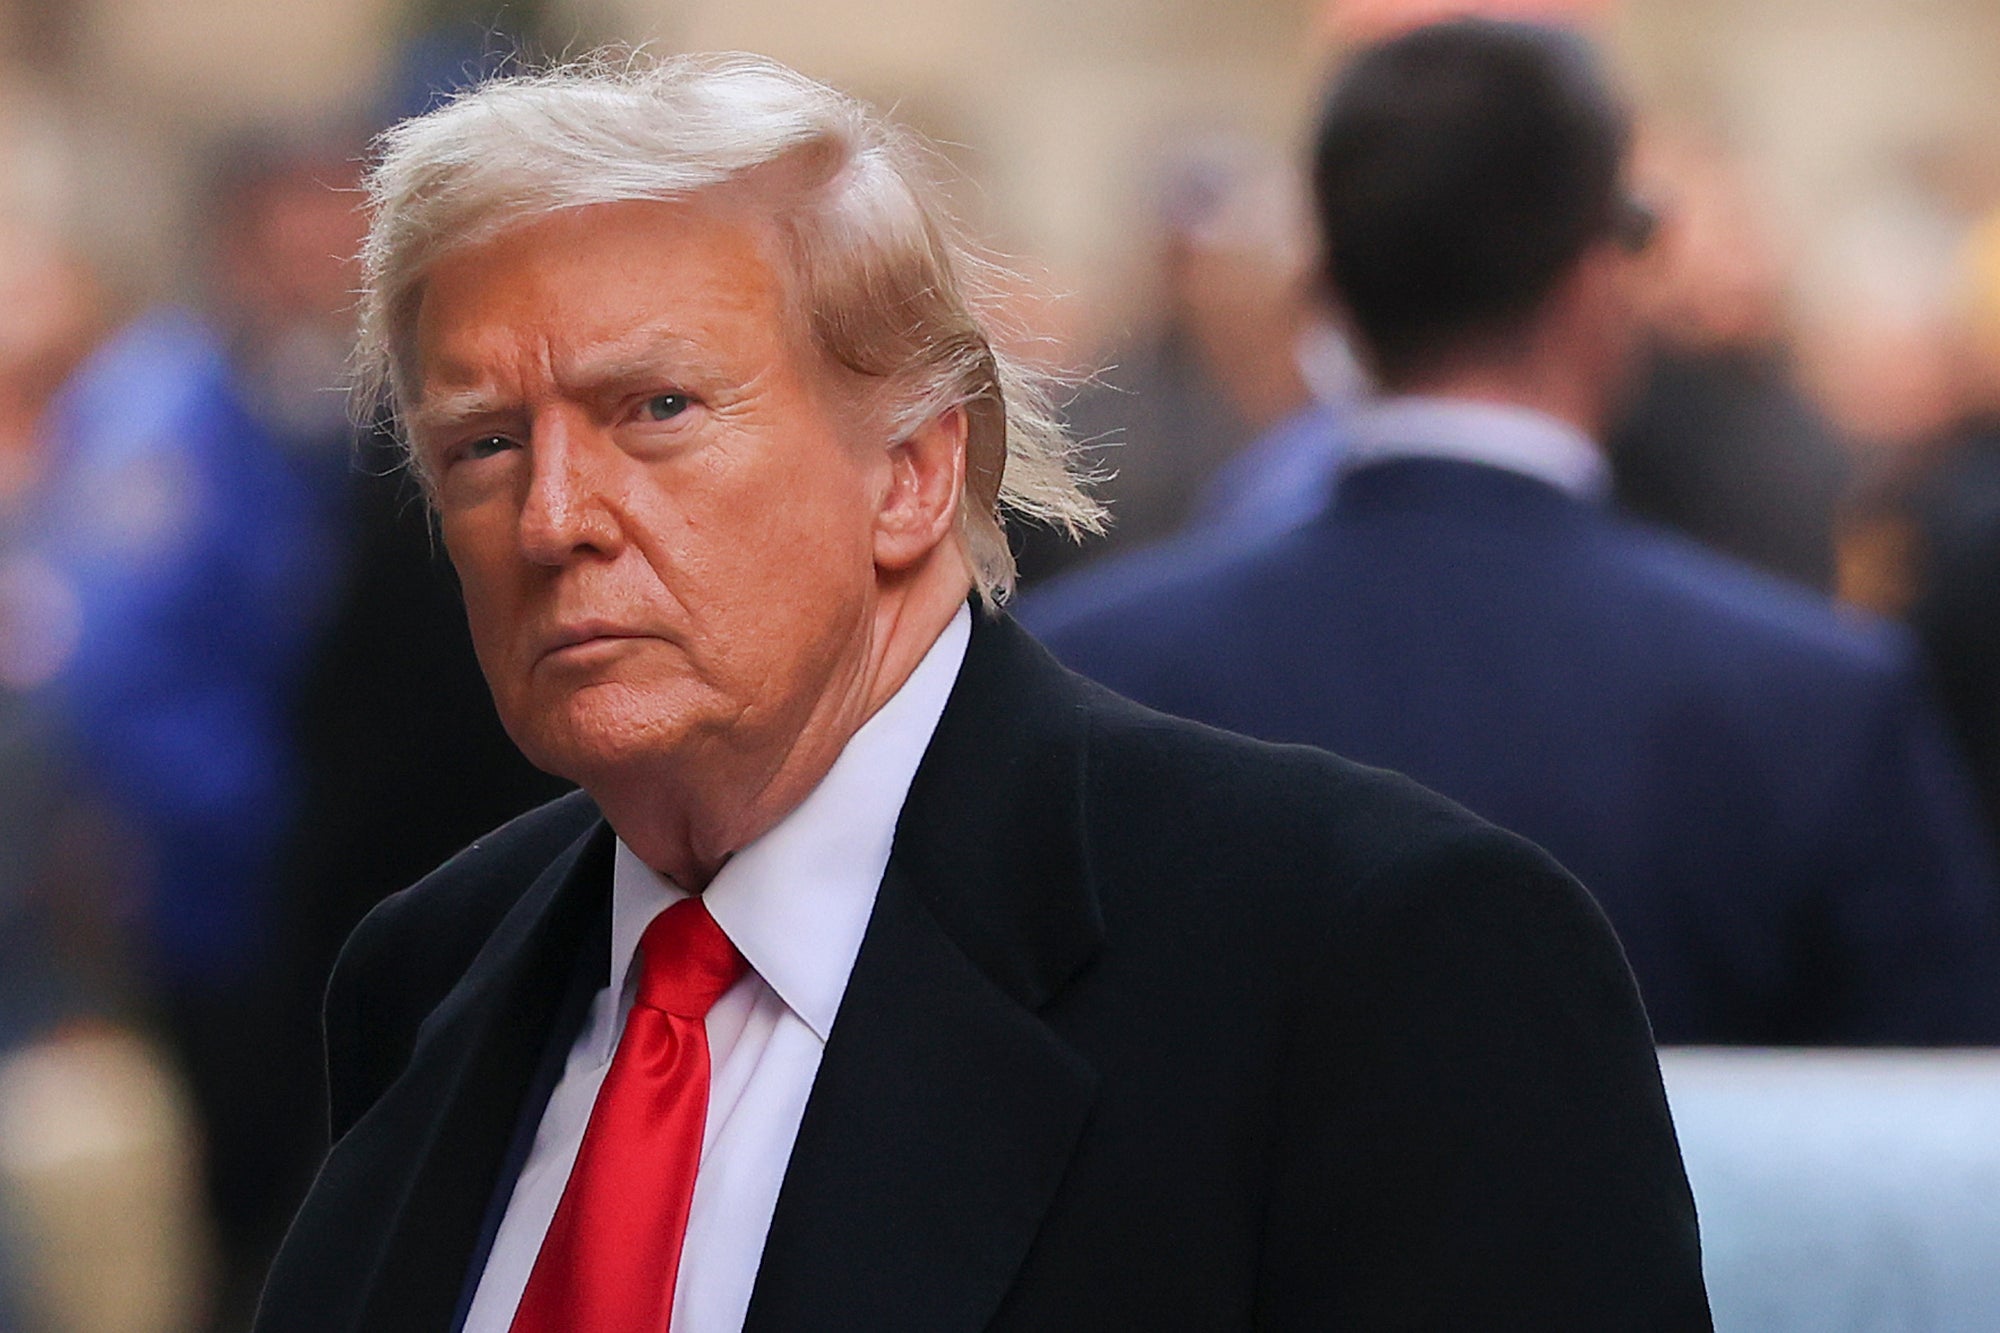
(1719, 441)
(1756, 790)
(1952, 510)
(1222, 414)
(251, 641)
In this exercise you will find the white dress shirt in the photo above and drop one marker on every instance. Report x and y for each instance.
(1517, 439)
(795, 903)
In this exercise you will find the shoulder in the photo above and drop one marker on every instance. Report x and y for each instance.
(1317, 842)
(1191, 775)
(408, 953)
(1272, 853)
(1135, 584)
(450, 912)
(1439, 1002)
(1746, 610)
(1112, 619)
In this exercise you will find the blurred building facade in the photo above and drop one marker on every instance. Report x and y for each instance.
(1837, 105)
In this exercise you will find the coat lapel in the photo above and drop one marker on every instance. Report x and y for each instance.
(946, 1111)
(438, 1137)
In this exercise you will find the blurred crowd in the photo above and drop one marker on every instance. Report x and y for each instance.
(238, 705)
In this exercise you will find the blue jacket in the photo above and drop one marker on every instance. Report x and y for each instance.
(1753, 784)
(198, 548)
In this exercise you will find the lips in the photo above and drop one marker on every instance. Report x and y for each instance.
(570, 639)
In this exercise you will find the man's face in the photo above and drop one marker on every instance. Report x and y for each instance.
(663, 534)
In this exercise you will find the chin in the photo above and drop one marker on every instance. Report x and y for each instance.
(595, 735)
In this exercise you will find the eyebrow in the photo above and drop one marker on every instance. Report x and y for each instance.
(638, 357)
(635, 358)
(438, 413)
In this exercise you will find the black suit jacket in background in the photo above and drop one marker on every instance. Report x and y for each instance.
(1153, 1027)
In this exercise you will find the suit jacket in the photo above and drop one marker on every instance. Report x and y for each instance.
(1752, 785)
(1152, 1027)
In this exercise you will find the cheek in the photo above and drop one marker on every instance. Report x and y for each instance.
(807, 519)
(802, 570)
(486, 580)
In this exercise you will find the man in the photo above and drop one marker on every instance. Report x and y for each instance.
(979, 997)
(1229, 400)
(1752, 786)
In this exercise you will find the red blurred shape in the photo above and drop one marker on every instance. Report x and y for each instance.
(1350, 21)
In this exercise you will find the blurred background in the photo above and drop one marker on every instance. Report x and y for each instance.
(236, 702)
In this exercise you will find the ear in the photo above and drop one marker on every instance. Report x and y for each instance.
(919, 508)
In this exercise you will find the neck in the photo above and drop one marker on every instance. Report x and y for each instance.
(687, 821)
(1553, 394)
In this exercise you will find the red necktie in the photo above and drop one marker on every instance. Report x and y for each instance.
(613, 1249)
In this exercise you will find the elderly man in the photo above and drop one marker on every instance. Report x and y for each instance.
(884, 975)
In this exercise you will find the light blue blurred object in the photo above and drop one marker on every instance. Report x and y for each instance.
(1280, 480)
(1844, 1191)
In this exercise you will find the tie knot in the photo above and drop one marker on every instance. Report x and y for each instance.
(685, 961)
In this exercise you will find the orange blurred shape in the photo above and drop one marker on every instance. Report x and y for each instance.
(1982, 296)
(1351, 21)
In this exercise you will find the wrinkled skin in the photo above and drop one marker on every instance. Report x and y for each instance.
(690, 566)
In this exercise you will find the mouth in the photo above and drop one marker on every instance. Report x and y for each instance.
(575, 642)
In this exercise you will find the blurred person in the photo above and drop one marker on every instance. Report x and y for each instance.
(69, 1055)
(1881, 347)
(885, 975)
(1949, 514)
(1720, 441)
(1755, 787)
(48, 316)
(1212, 416)
(49, 313)
(192, 512)
(1876, 338)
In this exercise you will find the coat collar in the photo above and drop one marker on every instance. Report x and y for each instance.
(1496, 435)
(992, 836)
(403, 1193)
(1462, 488)
(945, 1111)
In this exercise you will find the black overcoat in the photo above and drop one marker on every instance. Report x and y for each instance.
(1153, 1027)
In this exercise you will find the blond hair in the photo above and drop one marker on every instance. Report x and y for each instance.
(888, 286)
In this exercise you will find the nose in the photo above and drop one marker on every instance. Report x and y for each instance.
(567, 511)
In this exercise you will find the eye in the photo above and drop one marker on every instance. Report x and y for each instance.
(665, 406)
(486, 446)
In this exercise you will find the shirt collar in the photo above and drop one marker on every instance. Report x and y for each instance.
(796, 901)
(1517, 439)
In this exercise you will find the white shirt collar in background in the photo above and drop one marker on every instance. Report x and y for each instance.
(1517, 439)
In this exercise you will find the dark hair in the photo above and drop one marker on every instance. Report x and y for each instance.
(1460, 171)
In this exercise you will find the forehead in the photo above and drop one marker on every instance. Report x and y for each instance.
(561, 289)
